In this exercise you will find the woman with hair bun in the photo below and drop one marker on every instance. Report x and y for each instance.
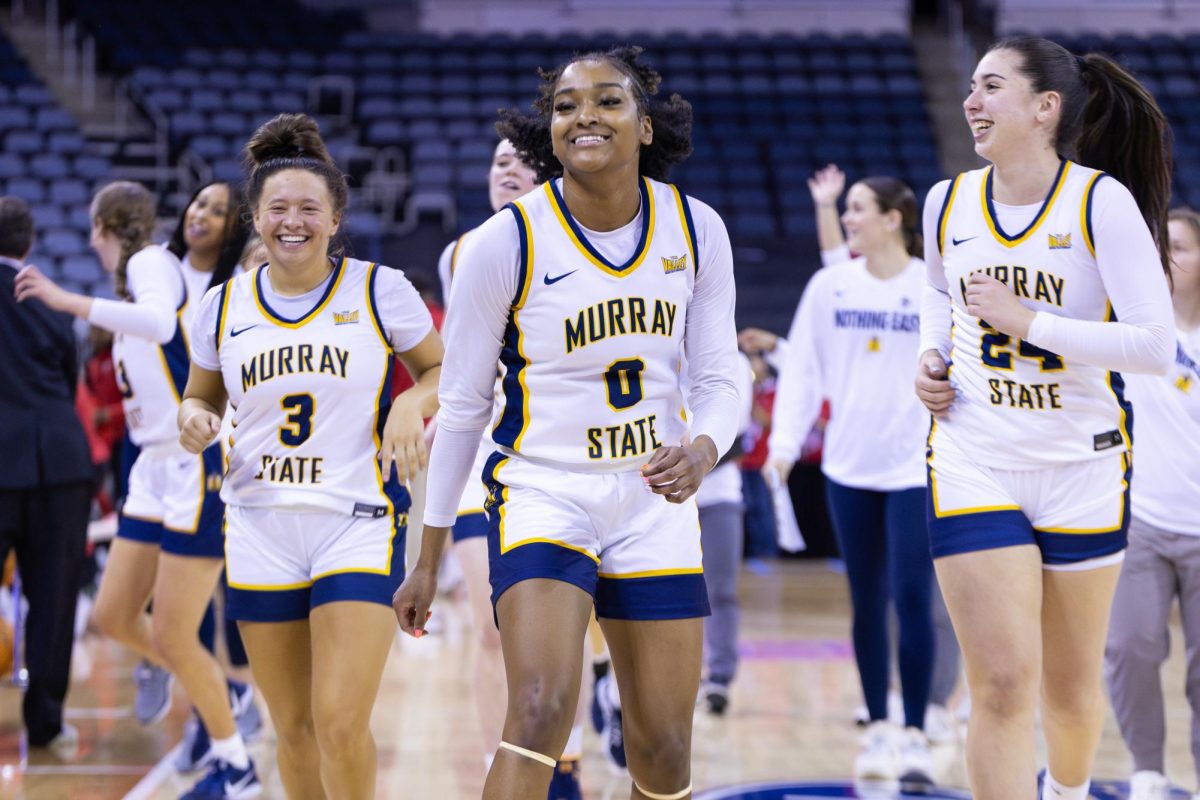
(169, 543)
(315, 488)
(594, 293)
(1045, 282)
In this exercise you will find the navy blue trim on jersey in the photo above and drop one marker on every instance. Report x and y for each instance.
(512, 418)
(372, 271)
(1037, 218)
(1116, 382)
(333, 281)
(657, 597)
(1087, 206)
(250, 605)
(470, 526)
(139, 530)
(941, 231)
(637, 251)
(178, 361)
(220, 315)
(207, 539)
(690, 225)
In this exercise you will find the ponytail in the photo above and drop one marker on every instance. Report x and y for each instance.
(126, 210)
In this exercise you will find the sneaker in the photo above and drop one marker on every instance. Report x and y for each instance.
(611, 731)
(598, 704)
(939, 725)
(916, 762)
(1147, 784)
(195, 748)
(878, 759)
(226, 782)
(716, 697)
(153, 699)
(565, 783)
(65, 743)
(245, 711)
(862, 717)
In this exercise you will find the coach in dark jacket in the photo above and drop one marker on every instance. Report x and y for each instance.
(45, 480)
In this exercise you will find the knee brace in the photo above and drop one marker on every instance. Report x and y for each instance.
(538, 757)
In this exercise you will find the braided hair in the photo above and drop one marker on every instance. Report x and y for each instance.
(671, 118)
(126, 210)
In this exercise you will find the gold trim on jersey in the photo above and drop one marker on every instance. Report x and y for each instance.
(585, 251)
(944, 217)
(1109, 316)
(683, 222)
(1084, 216)
(1120, 507)
(223, 312)
(503, 506)
(652, 573)
(372, 309)
(454, 255)
(993, 224)
(339, 273)
(958, 512)
(199, 503)
(522, 296)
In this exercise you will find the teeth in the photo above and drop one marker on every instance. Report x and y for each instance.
(589, 140)
(293, 239)
(981, 125)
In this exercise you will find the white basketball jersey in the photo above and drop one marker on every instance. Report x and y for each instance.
(308, 395)
(1018, 405)
(592, 350)
(152, 376)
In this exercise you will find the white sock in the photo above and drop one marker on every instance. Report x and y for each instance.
(614, 695)
(1053, 790)
(232, 751)
(574, 748)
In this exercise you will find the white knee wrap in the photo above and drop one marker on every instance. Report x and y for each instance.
(653, 796)
(538, 757)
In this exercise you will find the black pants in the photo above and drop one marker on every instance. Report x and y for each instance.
(47, 527)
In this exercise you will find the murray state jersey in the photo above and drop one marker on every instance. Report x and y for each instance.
(151, 376)
(1021, 404)
(592, 349)
(308, 395)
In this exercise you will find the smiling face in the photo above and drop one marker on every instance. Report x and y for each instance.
(295, 218)
(508, 178)
(207, 219)
(1003, 110)
(867, 227)
(595, 124)
(1185, 255)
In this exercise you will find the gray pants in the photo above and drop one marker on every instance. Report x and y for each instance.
(721, 538)
(1158, 566)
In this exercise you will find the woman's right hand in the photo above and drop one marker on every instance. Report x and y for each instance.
(827, 185)
(413, 599)
(777, 471)
(933, 383)
(32, 284)
(198, 430)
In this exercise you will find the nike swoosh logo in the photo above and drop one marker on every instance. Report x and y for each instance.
(233, 788)
(551, 281)
(235, 332)
(957, 242)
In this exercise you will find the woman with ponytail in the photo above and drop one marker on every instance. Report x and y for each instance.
(301, 347)
(854, 341)
(1046, 280)
(169, 543)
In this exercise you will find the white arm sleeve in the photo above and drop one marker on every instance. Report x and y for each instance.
(156, 285)
(444, 274)
(404, 315)
(203, 338)
(798, 391)
(710, 340)
(485, 286)
(1143, 340)
(837, 255)
(935, 298)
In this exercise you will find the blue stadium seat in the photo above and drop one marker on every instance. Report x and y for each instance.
(206, 100)
(427, 150)
(23, 141)
(49, 166)
(433, 176)
(385, 133)
(81, 268)
(69, 192)
(12, 166)
(15, 118)
(228, 169)
(91, 167)
(33, 94)
(231, 123)
(209, 146)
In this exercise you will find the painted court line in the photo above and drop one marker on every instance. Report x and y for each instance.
(146, 787)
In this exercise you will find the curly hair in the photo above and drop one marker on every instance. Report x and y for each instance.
(670, 118)
(233, 238)
(128, 211)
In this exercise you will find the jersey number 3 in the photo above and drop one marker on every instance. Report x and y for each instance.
(298, 427)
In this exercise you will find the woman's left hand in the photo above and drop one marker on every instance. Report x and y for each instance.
(992, 301)
(31, 284)
(676, 472)
(403, 441)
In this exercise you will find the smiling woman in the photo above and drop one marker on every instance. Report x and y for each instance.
(604, 232)
(301, 347)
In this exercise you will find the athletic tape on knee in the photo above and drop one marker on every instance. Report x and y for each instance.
(538, 757)
(681, 793)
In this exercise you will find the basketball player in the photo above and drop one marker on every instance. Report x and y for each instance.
(1044, 282)
(854, 342)
(1163, 559)
(301, 347)
(169, 541)
(591, 291)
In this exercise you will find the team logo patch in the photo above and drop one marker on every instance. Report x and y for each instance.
(1060, 241)
(874, 345)
(345, 317)
(678, 264)
(1184, 383)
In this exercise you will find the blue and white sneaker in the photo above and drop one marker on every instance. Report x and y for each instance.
(195, 748)
(153, 698)
(565, 783)
(611, 731)
(226, 782)
(245, 711)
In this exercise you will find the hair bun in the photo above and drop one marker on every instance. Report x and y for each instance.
(286, 136)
